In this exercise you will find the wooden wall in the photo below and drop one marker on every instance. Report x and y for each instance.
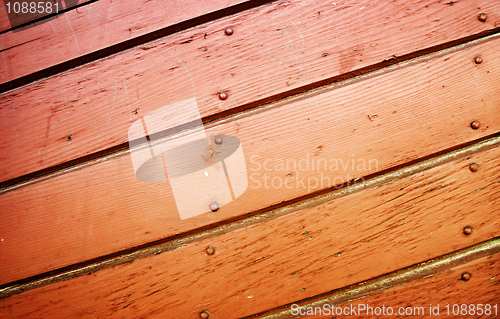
(368, 134)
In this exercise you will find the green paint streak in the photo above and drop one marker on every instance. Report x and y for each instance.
(477, 190)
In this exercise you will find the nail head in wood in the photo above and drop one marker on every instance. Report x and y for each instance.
(475, 125)
(473, 167)
(478, 60)
(222, 96)
(218, 140)
(204, 315)
(467, 230)
(466, 276)
(214, 207)
(229, 31)
(210, 250)
(482, 17)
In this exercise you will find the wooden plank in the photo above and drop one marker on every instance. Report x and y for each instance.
(11, 17)
(447, 289)
(91, 28)
(440, 294)
(420, 109)
(95, 104)
(314, 250)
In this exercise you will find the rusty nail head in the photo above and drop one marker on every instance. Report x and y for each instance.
(210, 250)
(466, 276)
(478, 60)
(473, 167)
(214, 207)
(204, 315)
(229, 31)
(482, 17)
(467, 230)
(222, 96)
(475, 125)
(218, 140)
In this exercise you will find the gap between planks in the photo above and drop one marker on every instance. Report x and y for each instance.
(258, 217)
(153, 36)
(376, 285)
(252, 108)
(127, 45)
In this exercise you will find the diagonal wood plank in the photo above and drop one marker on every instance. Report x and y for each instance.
(443, 291)
(276, 261)
(275, 50)
(415, 111)
(97, 26)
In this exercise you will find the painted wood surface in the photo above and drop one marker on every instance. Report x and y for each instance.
(294, 256)
(90, 28)
(142, 17)
(420, 298)
(90, 109)
(357, 130)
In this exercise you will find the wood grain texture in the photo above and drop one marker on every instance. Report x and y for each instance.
(375, 286)
(445, 288)
(306, 43)
(90, 28)
(292, 257)
(420, 109)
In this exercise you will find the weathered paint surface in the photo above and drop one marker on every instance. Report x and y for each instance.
(318, 101)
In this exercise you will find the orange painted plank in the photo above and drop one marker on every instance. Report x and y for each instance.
(12, 15)
(442, 295)
(415, 111)
(274, 49)
(301, 254)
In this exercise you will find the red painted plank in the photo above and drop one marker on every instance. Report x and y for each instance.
(90, 28)
(308, 42)
(325, 246)
(415, 111)
(440, 295)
